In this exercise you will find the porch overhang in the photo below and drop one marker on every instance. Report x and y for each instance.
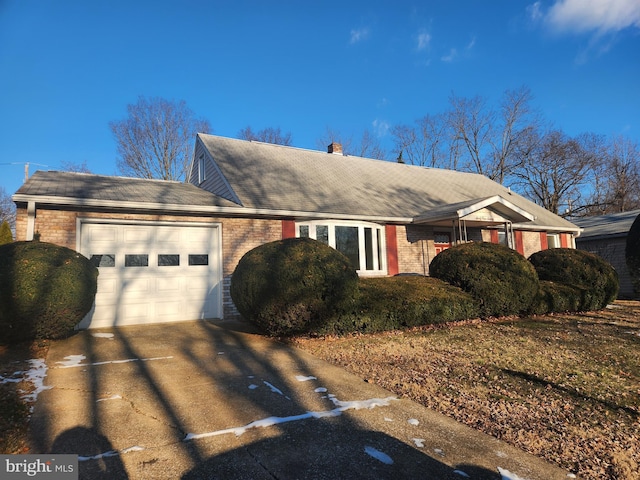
(481, 212)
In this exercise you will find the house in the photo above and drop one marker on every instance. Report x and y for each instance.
(166, 250)
(606, 236)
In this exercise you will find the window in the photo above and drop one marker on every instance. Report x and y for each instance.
(136, 260)
(105, 260)
(202, 171)
(171, 260)
(553, 240)
(195, 260)
(361, 243)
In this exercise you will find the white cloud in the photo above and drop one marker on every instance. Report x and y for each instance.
(471, 44)
(380, 127)
(601, 16)
(423, 40)
(358, 34)
(451, 56)
(535, 12)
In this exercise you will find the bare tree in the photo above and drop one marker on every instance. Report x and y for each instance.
(622, 176)
(75, 167)
(472, 125)
(424, 144)
(368, 146)
(266, 135)
(156, 138)
(471, 135)
(555, 170)
(7, 209)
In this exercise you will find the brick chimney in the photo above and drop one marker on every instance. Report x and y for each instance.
(335, 148)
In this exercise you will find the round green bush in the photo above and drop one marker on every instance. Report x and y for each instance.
(632, 254)
(45, 290)
(591, 274)
(293, 285)
(502, 280)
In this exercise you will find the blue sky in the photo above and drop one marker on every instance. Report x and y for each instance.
(67, 68)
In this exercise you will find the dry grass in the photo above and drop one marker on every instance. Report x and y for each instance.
(562, 387)
(14, 411)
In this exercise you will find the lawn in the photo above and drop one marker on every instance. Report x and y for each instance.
(562, 387)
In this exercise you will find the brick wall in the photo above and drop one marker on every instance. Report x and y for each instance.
(415, 248)
(613, 251)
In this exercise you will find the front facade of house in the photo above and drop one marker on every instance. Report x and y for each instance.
(166, 250)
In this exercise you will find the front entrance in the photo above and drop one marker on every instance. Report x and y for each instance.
(441, 241)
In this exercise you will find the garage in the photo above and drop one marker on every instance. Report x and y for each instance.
(152, 272)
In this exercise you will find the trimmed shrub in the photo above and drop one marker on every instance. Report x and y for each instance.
(45, 290)
(557, 297)
(501, 279)
(393, 303)
(632, 254)
(5, 233)
(293, 285)
(590, 274)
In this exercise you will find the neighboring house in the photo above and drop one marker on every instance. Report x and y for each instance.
(606, 236)
(166, 250)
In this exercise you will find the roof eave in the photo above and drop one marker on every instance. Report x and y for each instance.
(200, 209)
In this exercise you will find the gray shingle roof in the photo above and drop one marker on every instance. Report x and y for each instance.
(615, 224)
(266, 176)
(101, 188)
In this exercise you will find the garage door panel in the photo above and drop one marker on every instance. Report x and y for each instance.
(159, 285)
(169, 284)
(137, 235)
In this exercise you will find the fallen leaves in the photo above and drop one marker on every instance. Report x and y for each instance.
(563, 387)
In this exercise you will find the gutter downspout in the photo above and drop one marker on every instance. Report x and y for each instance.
(31, 219)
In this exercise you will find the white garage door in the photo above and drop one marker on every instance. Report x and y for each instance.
(152, 273)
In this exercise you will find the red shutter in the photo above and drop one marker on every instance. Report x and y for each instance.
(519, 242)
(494, 236)
(564, 240)
(288, 229)
(392, 249)
(544, 244)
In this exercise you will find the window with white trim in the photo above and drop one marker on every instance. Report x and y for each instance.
(362, 243)
(553, 240)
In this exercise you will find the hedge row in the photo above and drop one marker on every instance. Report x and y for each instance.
(303, 286)
(390, 303)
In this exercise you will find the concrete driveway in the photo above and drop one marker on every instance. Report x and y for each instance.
(198, 400)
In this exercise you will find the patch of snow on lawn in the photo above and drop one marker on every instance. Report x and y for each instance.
(419, 442)
(253, 386)
(320, 390)
(35, 375)
(439, 451)
(378, 455)
(413, 421)
(507, 475)
(461, 473)
(302, 378)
